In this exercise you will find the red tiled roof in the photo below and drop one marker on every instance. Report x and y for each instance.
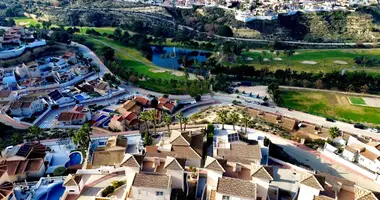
(163, 100)
(5, 93)
(169, 106)
(68, 116)
(78, 109)
(141, 100)
(130, 116)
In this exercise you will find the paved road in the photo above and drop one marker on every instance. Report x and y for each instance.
(87, 53)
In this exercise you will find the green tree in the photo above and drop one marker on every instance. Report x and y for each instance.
(334, 132)
(82, 138)
(179, 117)
(185, 120)
(234, 118)
(222, 115)
(108, 53)
(168, 121)
(144, 116)
(245, 120)
(152, 116)
(35, 131)
(225, 31)
(117, 34)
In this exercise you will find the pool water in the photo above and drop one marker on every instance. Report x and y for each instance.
(172, 62)
(201, 185)
(79, 97)
(75, 159)
(55, 193)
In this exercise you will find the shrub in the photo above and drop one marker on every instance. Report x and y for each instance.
(108, 190)
(117, 184)
(59, 171)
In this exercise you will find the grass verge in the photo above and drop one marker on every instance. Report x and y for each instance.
(330, 105)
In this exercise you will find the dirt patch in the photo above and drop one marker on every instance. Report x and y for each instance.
(333, 99)
(158, 70)
(179, 73)
(339, 62)
(372, 102)
(308, 62)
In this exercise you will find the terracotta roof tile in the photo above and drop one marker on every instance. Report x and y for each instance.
(369, 154)
(322, 197)
(364, 194)
(161, 181)
(214, 164)
(312, 181)
(236, 187)
(174, 164)
(240, 152)
(262, 172)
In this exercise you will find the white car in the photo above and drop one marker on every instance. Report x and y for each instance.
(373, 130)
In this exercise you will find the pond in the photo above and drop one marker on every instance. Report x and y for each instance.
(172, 57)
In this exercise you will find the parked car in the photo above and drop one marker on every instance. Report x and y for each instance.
(373, 130)
(359, 126)
(330, 119)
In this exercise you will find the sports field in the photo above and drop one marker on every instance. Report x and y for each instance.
(331, 105)
(324, 60)
(357, 101)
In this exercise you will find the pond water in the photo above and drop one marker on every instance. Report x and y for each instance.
(171, 57)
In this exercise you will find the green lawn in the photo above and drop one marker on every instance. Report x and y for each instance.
(141, 65)
(326, 60)
(330, 105)
(357, 100)
(25, 21)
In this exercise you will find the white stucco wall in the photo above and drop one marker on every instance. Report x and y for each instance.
(177, 178)
(307, 193)
(150, 193)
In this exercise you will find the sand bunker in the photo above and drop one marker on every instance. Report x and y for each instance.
(277, 58)
(23, 23)
(339, 62)
(309, 62)
(158, 70)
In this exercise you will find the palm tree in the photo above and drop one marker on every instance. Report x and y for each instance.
(234, 118)
(222, 115)
(185, 120)
(245, 120)
(168, 121)
(179, 117)
(144, 116)
(334, 132)
(152, 116)
(35, 131)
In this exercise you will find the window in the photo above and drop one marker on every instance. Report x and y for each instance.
(142, 192)
(159, 193)
(71, 190)
(226, 197)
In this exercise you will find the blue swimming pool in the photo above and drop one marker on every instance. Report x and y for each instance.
(75, 159)
(79, 97)
(201, 185)
(54, 193)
